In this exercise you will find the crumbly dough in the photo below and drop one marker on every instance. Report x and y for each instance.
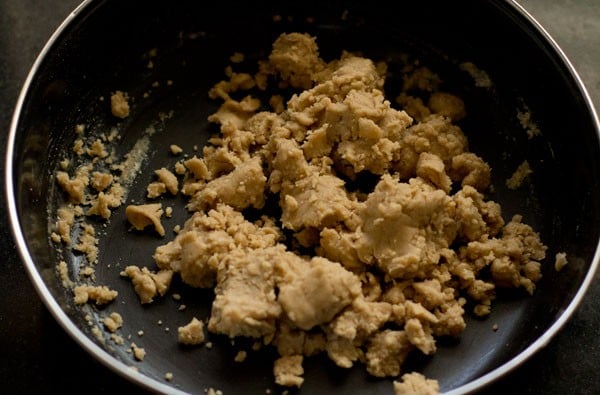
(192, 333)
(560, 261)
(520, 174)
(416, 384)
(98, 294)
(119, 104)
(139, 353)
(143, 215)
(113, 322)
(366, 272)
(148, 284)
(405, 255)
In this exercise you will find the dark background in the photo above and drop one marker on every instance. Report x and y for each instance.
(37, 356)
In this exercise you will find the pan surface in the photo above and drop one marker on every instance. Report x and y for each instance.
(105, 46)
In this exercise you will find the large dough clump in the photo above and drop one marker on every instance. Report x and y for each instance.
(304, 255)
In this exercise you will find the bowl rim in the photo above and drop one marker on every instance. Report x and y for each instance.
(125, 371)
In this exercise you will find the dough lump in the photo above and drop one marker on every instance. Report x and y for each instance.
(305, 256)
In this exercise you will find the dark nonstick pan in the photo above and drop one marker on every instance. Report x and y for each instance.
(106, 46)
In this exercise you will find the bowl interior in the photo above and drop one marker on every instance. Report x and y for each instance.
(107, 47)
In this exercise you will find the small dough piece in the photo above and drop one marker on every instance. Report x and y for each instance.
(75, 187)
(113, 322)
(175, 149)
(119, 104)
(416, 384)
(517, 178)
(288, 371)
(386, 352)
(100, 180)
(141, 216)
(168, 179)
(138, 352)
(64, 222)
(104, 202)
(192, 333)
(560, 261)
(148, 284)
(98, 294)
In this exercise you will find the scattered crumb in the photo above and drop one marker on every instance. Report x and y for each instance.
(169, 376)
(119, 104)
(98, 294)
(527, 123)
(117, 339)
(517, 178)
(237, 57)
(415, 383)
(240, 356)
(288, 371)
(141, 216)
(63, 272)
(481, 78)
(113, 322)
(98, 333)
(192, 333)
(175, 149)
(138, 352)
(495, 327)
(147, 284)
(560, 261)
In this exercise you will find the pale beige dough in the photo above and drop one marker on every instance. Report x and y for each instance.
(416, 384)
(365, 275)
(143, 215)
(119, 104)
(191, 333)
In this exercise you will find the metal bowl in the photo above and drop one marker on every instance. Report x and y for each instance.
(103, 46)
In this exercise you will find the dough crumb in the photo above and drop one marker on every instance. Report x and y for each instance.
(517, 178)
(560, 261)
(141, 216)
(63, 272)
(240, 356)
(147, 284)
(138, 352)
(98, 294)
(175, 149)
(416, 384)
(119, 104)
(527, 123)
(288, 371)
(113, 322)
(192, 333)
(169, 376)
(481, 78)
